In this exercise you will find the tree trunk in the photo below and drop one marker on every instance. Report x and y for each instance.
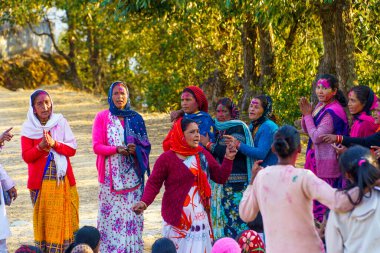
(249, 37)
(93, 48)
(267, 73)
(345, 60)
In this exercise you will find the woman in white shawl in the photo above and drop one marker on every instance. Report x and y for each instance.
(6, 184)
(47, 143)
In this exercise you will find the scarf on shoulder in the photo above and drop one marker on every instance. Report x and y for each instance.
(59, 129)
(180, 146)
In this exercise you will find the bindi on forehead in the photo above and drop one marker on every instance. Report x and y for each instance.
(255, 102)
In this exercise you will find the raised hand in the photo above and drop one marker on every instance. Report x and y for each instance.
(376, 151)
(305, 106)
(6, 136)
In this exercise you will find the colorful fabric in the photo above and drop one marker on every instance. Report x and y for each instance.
(199, 96)
(194, 234)
(124, 175)
(205, 123)
(248, 138)
(28, 249)
(363, 125)
(225, 209)
(134, 131)
(58, 128)
(55, 212)
(251, 242)
(226, 245)
(120, 228)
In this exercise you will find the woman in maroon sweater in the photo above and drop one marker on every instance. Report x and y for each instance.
(185, 170)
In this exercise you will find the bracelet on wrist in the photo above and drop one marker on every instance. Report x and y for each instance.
(208, 145)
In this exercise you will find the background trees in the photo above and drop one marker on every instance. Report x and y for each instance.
(236, 48)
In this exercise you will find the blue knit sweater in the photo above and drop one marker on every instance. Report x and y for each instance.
(262, 144)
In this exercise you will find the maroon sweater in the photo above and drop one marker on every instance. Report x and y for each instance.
(178, 179)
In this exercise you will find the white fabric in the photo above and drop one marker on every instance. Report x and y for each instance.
(4, 225)
(3, 246)
(355, 231)
(59, 129)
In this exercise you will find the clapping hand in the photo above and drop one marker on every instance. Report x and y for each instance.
(305, 106)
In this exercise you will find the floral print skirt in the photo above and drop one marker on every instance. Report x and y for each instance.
(120, 228)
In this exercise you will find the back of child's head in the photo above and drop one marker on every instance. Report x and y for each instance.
(250, 242)
(163, 245)
(82, 248)
(88, 235)
(286, 141)
(226, 245)
(28, 249)
(361, 169)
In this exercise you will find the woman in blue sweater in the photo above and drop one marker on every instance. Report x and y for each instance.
(262, 129)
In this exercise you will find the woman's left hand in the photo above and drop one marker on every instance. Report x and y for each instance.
(13, 193)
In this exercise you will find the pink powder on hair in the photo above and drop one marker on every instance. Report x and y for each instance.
(324, 82)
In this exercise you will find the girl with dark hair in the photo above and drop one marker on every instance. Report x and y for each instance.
(163, 245)
(47, 144)
(343, 229)
(284, 195)
(361, 101)
(328, 117)
(226, 197)
(121, 143)
(186, 170)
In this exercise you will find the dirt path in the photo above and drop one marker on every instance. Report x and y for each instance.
(79, 109)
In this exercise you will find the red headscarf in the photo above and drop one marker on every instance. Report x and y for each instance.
(199, 96)
(180, 146)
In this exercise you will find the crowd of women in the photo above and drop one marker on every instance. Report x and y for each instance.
(223, 178)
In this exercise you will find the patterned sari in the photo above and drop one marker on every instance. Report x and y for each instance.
(55, 212)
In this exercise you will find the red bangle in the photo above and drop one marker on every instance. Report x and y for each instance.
(339, 138)
(208, 145)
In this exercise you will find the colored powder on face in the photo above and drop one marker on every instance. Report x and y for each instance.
(254, 102)
(294, 179)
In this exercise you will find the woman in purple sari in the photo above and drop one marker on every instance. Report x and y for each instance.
(121, 144)
(328, 117)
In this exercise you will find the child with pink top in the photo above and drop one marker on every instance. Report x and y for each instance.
(328, 117)
(284, 195)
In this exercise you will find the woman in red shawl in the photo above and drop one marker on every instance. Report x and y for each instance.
(185, 170)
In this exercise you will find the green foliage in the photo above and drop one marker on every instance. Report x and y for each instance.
(159, 47)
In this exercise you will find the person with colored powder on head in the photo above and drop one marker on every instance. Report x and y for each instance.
(47, 143)
(284, 194)
(121, 144)
(225, 199)
(195, 107)
(328, 117)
